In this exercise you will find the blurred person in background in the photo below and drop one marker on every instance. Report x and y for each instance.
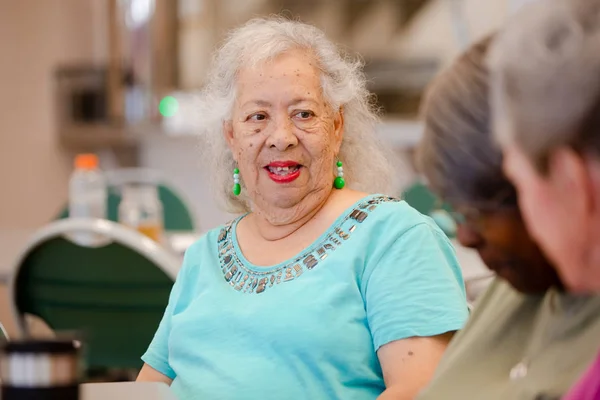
(527, 338)
(546, 99)
(321, 289)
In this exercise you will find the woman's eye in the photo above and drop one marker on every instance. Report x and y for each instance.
(304, 114)
(257, 117)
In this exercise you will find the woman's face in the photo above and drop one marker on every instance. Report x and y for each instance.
(501, 239)
(554, 208)
(283, 134)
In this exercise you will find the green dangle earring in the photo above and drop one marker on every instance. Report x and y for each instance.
(339, 181)
(237, 189)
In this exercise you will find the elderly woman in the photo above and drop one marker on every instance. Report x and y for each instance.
(527, 338)
(546, 74)
(318, 290)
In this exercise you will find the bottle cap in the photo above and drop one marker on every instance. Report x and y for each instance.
(86, 161)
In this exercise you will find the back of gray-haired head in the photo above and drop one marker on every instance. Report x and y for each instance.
(545, 69)
(368, 166)
(457, 153)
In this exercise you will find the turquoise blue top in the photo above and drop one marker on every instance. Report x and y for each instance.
(308, 328)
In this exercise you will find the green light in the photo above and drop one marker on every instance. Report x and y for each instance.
(168, 106)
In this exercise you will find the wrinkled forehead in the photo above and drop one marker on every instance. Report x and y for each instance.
(296, 62)
(294, 73)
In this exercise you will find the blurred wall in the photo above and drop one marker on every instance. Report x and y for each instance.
(38, 35)
(35, 36)
(434, 32)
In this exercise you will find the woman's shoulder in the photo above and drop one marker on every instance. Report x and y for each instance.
(396, 216)
(390, 227)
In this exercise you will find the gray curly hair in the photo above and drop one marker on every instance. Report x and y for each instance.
(368, 166)
(545, 74)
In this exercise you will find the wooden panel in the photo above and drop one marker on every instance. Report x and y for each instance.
(116, 100)
(164, 46)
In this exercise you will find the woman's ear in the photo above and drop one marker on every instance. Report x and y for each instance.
(338, 127)
(593, 166)
(228, 134)
(572, 180)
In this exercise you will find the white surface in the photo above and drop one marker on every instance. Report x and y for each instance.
(401, 134)
(470, 262)
(179, 242)
(476, 275)
(126, 391)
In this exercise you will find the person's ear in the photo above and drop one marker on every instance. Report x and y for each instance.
(228, 134)
(593, 166)
(572, 181)
(338, 128)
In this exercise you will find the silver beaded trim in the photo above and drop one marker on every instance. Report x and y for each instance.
(246, 280)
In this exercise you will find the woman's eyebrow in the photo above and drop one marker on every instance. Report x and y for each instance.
(298, 100)
(257, 102)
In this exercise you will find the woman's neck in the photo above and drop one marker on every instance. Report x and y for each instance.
(276, 224)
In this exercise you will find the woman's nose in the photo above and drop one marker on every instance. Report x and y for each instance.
(282, 137)
(469, 237)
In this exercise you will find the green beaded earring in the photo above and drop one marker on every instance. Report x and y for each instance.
(237, 189)
(339, 181)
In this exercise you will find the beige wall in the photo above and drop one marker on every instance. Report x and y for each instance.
(432, 32)
(35, 36)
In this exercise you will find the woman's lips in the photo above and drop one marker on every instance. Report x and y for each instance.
(283, 171)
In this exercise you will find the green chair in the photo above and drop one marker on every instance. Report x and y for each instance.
(114, 295)
(177, 216)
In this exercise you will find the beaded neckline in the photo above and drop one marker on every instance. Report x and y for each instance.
(248, 280)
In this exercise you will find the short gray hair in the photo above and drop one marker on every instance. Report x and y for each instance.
(368, 166)
(545, 69)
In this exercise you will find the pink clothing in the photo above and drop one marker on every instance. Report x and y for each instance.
(588, 387)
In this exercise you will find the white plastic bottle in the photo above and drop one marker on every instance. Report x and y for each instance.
(87, 194)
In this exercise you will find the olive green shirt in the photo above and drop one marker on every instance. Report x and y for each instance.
(553, 337)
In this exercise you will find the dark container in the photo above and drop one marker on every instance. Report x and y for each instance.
(44, 369)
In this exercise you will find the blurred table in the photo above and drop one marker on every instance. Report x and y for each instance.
(126, 391)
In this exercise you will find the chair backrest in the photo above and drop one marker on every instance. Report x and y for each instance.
(177, 216)
(114, 295)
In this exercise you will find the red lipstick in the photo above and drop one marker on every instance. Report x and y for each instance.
(283, 171)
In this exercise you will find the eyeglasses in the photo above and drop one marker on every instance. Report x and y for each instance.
(472, 214)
